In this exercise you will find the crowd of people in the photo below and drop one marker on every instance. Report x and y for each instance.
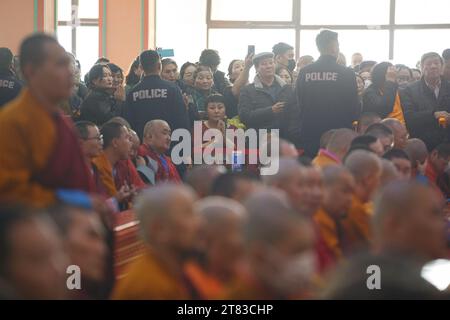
(363, 175)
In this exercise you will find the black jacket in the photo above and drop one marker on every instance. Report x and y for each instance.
(153, 98)
(328, 99)
(419, 105)
(10, 87)
(255, 107)
(99, 107)
(220, 82)
(381, 104)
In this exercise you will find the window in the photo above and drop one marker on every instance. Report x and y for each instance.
(345, 12)
(251, 10)
(78, 30)
(422, 11)
(236, 45)
(372, 44)
(181, 25)
(412, 44)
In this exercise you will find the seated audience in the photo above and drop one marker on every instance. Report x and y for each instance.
(399, 130)
(169, 224)
(158, 167)
(336, 149)
(383, 133)
(366, 120)
(418, 154)
(401, 161)
(234, 185)
(222, 244)
(201, 178)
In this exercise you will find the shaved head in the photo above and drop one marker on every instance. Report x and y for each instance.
(201, 178)
(288, 167)
(408, 219)
(218, 211)
(399, 130)
(417, 151)
(340, 141)
(153, 125)
(362, 164)
(270, 217)
(389, 172)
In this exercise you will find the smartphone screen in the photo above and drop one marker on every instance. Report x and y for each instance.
(251, 50)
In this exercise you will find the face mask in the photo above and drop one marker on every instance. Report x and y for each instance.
(291, 65)
(367, 83)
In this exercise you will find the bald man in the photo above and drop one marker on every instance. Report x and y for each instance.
(339, 186)
(336, 149)
(303, 185)
(169, 225)
(222, 243)
(280, 250)
(201, 178)
(417, 151)
(399, 130)
(366, 170)
(159, 167)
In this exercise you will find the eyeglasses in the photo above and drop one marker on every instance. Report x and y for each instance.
(99, 138)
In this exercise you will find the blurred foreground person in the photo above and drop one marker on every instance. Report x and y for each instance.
(336, 148)
(409, 231)
(32, 260)
(201, 178)
(234, 185)
(418, 154)
(339, 186)
(169, 225)
(222, 243)
(366, 169)
(39, 150)
(84, 240)
(280, 251)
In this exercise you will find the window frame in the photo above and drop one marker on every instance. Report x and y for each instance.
(296, 24)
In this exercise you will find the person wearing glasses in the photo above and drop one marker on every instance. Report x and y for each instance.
(383, 133)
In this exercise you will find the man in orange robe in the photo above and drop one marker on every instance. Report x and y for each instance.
(366, 169)
(170, 225)
(339, 186)
(39, 150)
(336, 148)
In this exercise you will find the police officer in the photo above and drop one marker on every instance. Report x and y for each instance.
(327, 95)
(153, 98)
(10, 86)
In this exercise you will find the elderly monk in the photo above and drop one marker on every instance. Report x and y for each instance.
(169, 225)
(366, 169)
(222, 243)
(409, 231)
(159, 167)
(39, 150)
(339, 186)
(400, 132)
(280, 250)
(336, 149)
(113, 168)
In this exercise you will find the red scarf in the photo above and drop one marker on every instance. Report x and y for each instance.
(166, 169)
(66, 168)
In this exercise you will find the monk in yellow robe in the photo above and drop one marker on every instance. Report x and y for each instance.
(223, 246)
(170, 225)
(366, 169)
(39, 150)
(336, 148)
(339, 186)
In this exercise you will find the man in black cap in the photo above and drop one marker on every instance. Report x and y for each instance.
(10, 86)
(153, 98)
(326, 94)
(268, 102)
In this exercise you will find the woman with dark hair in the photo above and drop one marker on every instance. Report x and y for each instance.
(100, 105)
(134, 75)
(382, 95)
(284, 74)
(169, 72)
(404, 76)
(187, 71)
(119, 89)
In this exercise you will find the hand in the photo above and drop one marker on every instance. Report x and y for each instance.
(221, 126)
(119, 94)
(140, 161)
(278, 107)
(441, 114)
(124, 193)
(248, 63)
(391, 74)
